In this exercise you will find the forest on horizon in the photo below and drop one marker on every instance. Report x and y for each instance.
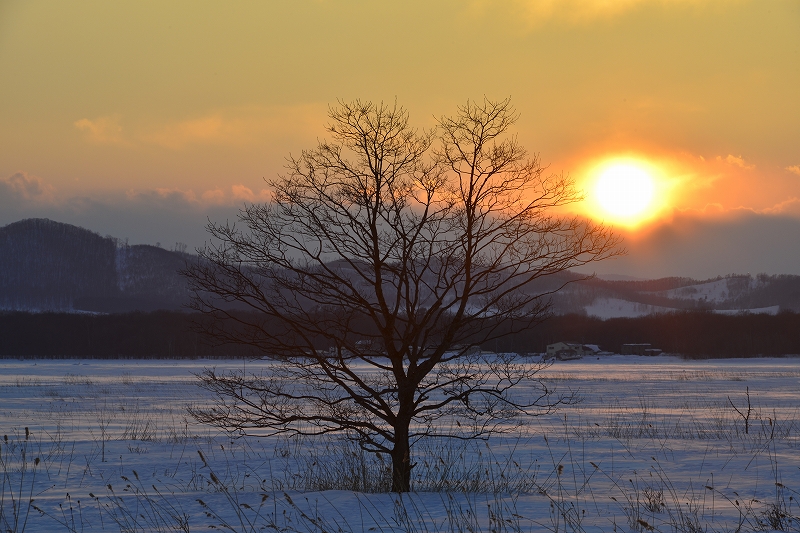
(175, 334)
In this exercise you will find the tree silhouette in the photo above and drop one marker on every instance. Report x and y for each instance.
(386, 258)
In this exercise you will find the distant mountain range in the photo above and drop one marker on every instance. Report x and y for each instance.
(51, 266)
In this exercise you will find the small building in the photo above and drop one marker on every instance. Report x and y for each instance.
(642, 348)
(564, 351)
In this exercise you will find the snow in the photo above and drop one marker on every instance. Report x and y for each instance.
(654, 439)
(771, 310)
(606, 308)
(712, 292)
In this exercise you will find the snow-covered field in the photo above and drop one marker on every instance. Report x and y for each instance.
(655, 443)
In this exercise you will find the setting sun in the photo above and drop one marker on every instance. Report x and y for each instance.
(624, 190)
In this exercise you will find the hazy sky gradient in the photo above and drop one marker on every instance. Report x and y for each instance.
(143, 119)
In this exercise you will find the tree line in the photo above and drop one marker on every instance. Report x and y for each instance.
(157, 335)
(691, 334)
(173, 334)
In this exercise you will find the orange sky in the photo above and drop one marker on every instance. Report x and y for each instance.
(143, 119)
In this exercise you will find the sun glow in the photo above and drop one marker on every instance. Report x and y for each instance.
(624, 191)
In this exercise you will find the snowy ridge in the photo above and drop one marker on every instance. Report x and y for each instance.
(717, 291)
(730, 295)
(617, 308)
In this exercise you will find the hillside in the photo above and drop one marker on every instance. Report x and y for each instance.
(761, 294)
(51, 266)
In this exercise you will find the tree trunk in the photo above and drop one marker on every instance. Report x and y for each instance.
(401, 461)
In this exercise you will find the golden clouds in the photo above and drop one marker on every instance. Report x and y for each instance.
(231, 127)
(226, 128)
(794, 169)
(102, 130)
(205, 130)
(240, 192)
(736, 161)
(790, 207)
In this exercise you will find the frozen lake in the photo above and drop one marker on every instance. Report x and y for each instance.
(652, 443)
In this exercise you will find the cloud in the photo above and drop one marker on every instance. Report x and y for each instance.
(144, 217)
(247, 126)
(235, 196)
(794, 169)
(102, 130)
(22, 191)
(790, 206)
(241, 192)
(736, 161)
(716, 211)
(732, 182)
(206, 130)
(234, 126)
(162, 195)
(21, 187)
(214, 196)
(577, 11)
(710, 209)
(700, 246)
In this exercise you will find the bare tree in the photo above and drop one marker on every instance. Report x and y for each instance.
(387, 256)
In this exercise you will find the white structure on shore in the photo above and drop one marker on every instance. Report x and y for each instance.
(564, 351)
